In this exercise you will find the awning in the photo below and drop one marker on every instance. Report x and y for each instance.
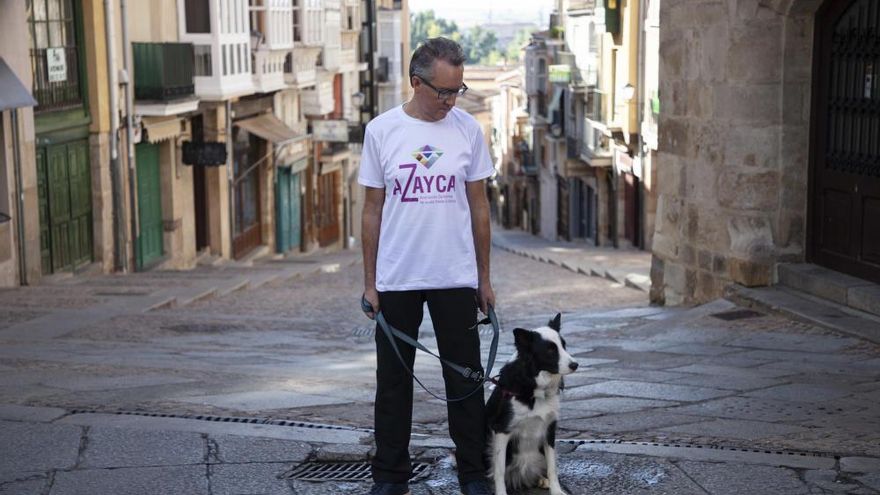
(159, 130)
(270, 128)
(13, 94)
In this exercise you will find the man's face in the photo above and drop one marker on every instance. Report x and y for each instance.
(446, 77)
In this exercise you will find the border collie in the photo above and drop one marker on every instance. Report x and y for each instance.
(523, 409)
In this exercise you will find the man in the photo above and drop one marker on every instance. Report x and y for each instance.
(426, 239)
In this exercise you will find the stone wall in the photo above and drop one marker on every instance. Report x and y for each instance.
(735, 79)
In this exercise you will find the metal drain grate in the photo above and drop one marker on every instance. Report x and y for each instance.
(680, 445)
(739, 314)
(345, 471)
(225, 419)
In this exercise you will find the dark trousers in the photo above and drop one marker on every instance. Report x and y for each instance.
(453, 312)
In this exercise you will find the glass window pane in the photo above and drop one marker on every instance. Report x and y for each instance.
(54, 10)
(67, 9)
(40, 10)
(55, 33)
(42, 34)
(70, 34)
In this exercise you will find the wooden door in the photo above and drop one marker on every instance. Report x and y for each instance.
(282, 210)
(845, 158)
(65, 202)
(248, 227)
(328, 208)
(149, 197)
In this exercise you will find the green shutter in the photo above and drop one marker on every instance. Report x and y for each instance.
(150, 242)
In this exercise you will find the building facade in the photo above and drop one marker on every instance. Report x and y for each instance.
(166, 132)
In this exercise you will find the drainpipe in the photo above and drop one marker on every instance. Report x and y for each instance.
(640, 113)
(230, 176)
(121, 261)
(129, 132)
(19, 213)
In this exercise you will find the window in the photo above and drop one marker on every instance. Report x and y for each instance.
(202, 56)
(297, 20)
(54, 54)
(198, 16)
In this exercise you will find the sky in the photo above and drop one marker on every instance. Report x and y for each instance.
(466, 13)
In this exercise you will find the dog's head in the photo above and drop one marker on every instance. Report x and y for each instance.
(545, 347)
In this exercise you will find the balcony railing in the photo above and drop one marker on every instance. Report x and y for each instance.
(163, 71)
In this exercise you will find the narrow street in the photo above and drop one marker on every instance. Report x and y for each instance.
(248, 371)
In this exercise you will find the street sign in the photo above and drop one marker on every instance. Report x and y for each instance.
(56, 64)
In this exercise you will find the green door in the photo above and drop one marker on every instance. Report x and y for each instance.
(149, 205)
(282, 209)
(295, 226)
(287, 201)
(65, 199)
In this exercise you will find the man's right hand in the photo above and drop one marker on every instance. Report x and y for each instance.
(372, 297)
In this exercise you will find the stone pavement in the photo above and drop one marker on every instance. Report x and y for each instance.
(631, 267)
(228, 393)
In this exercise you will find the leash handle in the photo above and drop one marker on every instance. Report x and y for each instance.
(478, 376)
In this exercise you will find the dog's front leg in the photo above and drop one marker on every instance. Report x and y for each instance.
(552, 471)
(499, 461)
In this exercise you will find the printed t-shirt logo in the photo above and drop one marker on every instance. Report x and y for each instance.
(427, 155)
(427, 188)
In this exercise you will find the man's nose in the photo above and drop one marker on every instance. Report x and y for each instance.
(573, 365)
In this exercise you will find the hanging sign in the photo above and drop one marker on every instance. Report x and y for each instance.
(56, 64)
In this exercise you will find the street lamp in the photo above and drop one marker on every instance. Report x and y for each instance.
(357, 99)
(629, 91)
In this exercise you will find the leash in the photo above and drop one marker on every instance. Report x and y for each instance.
(474, 375)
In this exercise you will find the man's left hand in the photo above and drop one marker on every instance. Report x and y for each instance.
(485, 298)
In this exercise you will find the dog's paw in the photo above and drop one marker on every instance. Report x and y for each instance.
(557, 492)
(543, 483)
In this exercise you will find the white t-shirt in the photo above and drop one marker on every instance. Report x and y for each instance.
(425, 238)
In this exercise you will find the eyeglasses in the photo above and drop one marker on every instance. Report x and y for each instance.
(443, 94)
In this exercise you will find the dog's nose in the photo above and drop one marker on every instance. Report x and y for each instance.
(573, 365)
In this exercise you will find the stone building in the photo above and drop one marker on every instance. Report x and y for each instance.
(768, 142)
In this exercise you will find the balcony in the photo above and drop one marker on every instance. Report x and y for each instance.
(348, 55)
(596, 150)
(163, 79)
(268, 70)
(301, 66)
(221, 38)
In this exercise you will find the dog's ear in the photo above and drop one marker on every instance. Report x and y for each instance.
(523, 338)
(556, 322)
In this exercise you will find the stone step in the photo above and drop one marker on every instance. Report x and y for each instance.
(808, 308)
(834, 286)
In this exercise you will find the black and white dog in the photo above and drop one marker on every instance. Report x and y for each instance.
(523, 410)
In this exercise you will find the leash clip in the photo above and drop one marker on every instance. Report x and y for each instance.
(475, 375)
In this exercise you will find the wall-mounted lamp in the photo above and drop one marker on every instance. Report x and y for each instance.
(628, 92)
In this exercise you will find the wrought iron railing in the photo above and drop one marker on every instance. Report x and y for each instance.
(58, 94)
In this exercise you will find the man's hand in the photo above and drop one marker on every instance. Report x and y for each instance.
(372, 297)
(485, 297)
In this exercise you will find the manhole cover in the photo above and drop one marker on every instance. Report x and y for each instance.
(345, 471)
(739, 314)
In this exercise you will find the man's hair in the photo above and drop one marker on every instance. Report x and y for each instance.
(432, 49)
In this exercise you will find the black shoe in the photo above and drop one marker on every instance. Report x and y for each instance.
(476, 487)
(390, 489)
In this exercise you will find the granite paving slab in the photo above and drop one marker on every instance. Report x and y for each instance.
(794, 342)
(238, 479)
(613, 404)
(191, 480)
(263, 400)
(732, 371)
(725, 479)
(738, 383)
(38, 446)
(757, 409)
(25, 487)
(117, 447)
(627, 422)
(659, 391)
(738, 429)
(239, 449)
(801, 392)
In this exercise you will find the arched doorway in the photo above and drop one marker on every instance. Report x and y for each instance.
(845, 154)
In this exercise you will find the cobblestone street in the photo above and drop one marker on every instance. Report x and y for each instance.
(714, 399)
